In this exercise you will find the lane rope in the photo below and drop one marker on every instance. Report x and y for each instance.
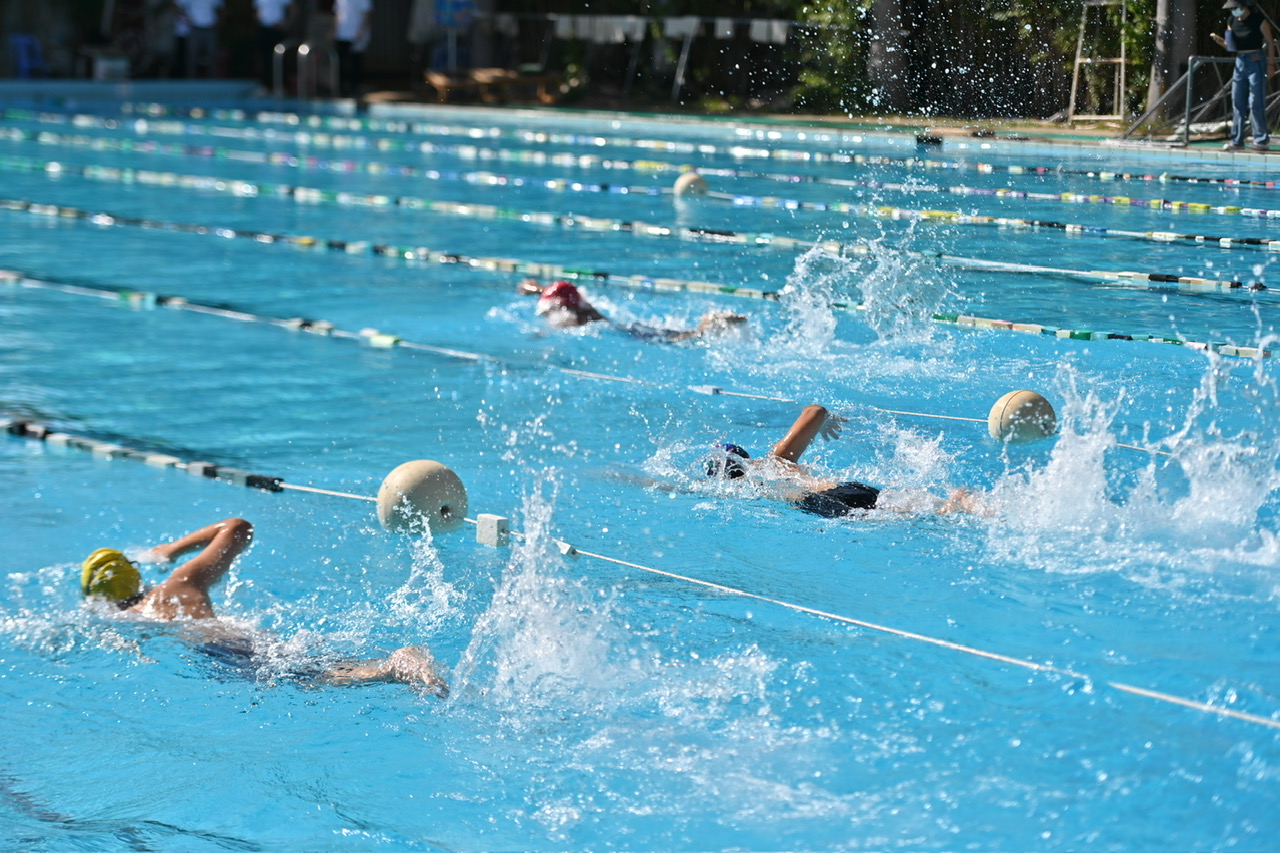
(547, 270)
(312, 195)
(310, 162)
(155, 115)
(379, 339)
(40, 432)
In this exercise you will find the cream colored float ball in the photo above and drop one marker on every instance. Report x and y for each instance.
(691, 183)
(1021, 416)
(422, 492)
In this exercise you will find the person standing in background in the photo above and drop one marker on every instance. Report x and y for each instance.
(274, 19)
(351, 36)
(1249, 34)
(202, 37)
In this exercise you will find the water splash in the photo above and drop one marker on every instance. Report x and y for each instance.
(896, 297)
(1199, 506)
(545, 636)
(900, 297)
(425, 599)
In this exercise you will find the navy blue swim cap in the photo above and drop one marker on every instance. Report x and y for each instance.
(724, 463)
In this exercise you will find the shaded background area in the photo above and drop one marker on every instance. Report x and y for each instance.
(963, 58)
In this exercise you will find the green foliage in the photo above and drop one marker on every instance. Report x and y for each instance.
(832, 74)
(961, 57)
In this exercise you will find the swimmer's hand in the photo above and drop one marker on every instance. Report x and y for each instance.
(964, 501)
(414, 665)
(831, 427)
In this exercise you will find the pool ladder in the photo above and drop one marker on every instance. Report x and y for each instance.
(309, 56)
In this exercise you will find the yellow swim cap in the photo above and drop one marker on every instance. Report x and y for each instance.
(108, 574)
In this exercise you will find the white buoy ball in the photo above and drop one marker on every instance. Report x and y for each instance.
(691, 183)
(1021, 416)
(422, 492)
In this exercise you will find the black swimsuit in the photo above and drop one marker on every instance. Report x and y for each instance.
(841, 500)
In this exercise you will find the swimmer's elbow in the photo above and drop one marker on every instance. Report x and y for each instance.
(239, 529)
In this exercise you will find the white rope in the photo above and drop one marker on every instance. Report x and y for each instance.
(24, 429)
(327, 492)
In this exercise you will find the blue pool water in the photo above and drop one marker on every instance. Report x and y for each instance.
(970, 682)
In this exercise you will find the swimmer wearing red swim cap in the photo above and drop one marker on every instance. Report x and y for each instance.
(563, 305)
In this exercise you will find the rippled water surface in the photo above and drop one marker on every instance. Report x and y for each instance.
(659, 661)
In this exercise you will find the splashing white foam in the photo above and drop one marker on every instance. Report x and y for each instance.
(1194, 511)
(897, 299)
(544, 635)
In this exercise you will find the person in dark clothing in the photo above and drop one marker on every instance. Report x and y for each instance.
(274, 19)
(1249, 35)
(783, 477)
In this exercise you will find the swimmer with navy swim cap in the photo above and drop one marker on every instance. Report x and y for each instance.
(564, 306)
(108, 575)
(782, 476)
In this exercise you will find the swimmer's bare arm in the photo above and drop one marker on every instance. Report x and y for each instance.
(412, 665)
(220, 544)
(712, 323)
(185, 593)
(815, 420)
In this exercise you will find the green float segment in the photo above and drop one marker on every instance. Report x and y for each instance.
(377, 339)
(592, 160)
(311, 195)
(149, 118)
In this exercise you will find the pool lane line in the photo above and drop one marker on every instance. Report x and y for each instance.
(112, 450)
(243, 187)
(235, 476)
(309, 162)
(144, 299)
(156, 113)
(711, 389)
(380, 340)
(1203, 707)
(311, 195)
(637, 282)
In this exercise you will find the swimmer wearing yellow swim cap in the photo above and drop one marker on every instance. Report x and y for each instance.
(107, 573)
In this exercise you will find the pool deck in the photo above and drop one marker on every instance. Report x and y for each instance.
(998, 135)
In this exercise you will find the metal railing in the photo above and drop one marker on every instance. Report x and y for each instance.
(308, 56)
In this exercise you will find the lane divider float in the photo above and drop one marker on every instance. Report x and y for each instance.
(1017, 417)
(309, 195)
(310, 162)
(246, 188)
(645, 283)
(149, 113)
(427, 494)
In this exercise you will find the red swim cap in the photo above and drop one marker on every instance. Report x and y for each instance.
(561, 294)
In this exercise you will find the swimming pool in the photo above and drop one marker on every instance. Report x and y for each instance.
(596, 704)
